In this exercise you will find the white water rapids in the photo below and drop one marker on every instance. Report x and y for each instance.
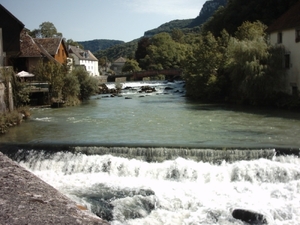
(160, 159)
(180, 191)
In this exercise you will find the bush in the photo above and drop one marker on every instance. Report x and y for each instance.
(10, 119)
(88, 84)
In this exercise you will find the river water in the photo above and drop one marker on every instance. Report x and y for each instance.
(158, 158)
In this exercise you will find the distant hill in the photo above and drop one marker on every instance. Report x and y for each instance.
(99, 44)
(208, 9)
(206, 12)
(126, 50)
(168, 27)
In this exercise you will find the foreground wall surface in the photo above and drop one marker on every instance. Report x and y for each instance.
(25, 199)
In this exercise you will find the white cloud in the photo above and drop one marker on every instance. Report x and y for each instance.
(181, 9)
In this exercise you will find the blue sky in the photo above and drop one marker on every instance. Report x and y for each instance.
(84, 20)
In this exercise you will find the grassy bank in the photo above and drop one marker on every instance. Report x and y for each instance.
(13, 118)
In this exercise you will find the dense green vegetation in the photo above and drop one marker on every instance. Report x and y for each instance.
(236, 66)
(227, 59)
(70, 87)
(168, 27)
(126, 50)
(99, 44)
(237, 11)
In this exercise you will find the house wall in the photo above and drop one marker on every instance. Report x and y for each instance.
(91, 67)
(117, 67)
(31, 63)
(61, 55)
(293, 49)
(11, 29)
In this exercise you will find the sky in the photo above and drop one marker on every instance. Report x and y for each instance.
(85, 20)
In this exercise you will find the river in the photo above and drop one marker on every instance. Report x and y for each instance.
(159, 158)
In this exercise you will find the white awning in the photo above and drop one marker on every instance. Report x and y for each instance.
(24, 74)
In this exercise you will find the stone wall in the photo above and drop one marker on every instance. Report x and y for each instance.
(26, 199)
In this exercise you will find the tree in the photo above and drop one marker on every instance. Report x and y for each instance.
(141, 51)
(164, 53)
(252, 63)
(201, 67)
(74, 43)
(88, 84)
(131, 65)
(177, 35)
(52, 73)
(46, 30)
(71, 89)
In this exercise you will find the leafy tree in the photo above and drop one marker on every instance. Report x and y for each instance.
(52, 73)
(88, 84)
(71, 89)
(141, 51)
(164, 53)
(46, 30)
(252, 63)
(177, 35)
(131, 65)
(74, 43)
(201, 67)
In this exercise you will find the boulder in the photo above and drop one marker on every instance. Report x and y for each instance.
(103, 89)
(147, 89)
(249, 216)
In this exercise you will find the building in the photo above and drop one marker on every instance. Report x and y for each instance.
(117, 65)
(10, 28)
(286, 31)
(56, 47)
(34, 50)
(84, 58)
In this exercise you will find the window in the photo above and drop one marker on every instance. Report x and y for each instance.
(279, 38)
(287, 61)
(297, 35)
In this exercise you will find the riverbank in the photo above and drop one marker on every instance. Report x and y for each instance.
(25, 199)
(14, 118)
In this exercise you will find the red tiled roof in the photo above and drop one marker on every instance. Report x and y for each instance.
(290, 19)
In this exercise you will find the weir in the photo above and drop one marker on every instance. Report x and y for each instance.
(154, 153)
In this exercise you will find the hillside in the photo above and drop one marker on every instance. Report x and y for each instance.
(215, 16)
(168, 27)
(126, 50)
(187, 25)
(99, 44)
(206, 12)
(238, 11)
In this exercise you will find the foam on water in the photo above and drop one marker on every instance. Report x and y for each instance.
(180, 191)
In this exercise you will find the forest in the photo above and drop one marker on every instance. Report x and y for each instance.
(227, 59)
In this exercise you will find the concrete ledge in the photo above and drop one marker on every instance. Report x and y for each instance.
(26, 199)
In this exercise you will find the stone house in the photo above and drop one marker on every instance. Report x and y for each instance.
(84, 58)
(285, 31)
(117, 65)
